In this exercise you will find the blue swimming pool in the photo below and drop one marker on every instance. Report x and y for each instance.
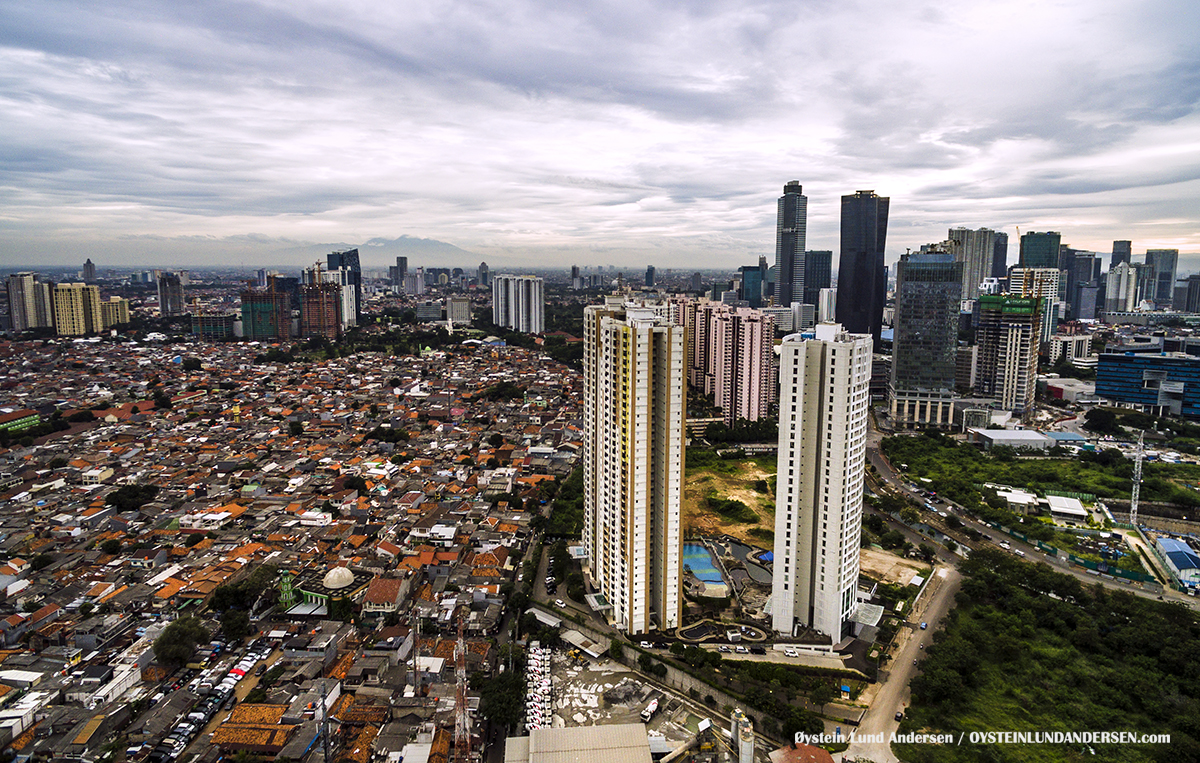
(700, 562)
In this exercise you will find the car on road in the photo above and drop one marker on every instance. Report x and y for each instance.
(758, 650)
(899, 715)
(723, 648)
(742, 650)
(560, 603)
(924, 626)
(1019, 552)
(645, 645)
(790, 653)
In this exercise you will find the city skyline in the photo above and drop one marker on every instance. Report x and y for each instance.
(182, 136)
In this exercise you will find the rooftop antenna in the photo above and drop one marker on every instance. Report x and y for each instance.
(462, 723)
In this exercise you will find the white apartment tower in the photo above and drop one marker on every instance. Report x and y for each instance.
(518, 303)
(633, 452)
(824, 394)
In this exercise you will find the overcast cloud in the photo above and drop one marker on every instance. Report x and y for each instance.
(622, 132)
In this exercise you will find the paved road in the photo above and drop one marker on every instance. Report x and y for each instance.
(1032, 552)
(891, 694)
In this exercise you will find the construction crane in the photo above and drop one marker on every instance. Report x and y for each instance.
(1137, 480)
(462, 722)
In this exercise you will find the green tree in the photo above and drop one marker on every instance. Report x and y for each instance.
(41, 562)
(178, 641)
(295, 428)
(112, 546)
(502, 699)
(235, 623)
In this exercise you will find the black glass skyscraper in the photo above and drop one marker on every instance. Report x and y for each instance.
(348, 260)
(790, 227)
(818, 274)
(1000, 256)
(862, 276)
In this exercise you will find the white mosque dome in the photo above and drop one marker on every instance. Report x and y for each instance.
(338, 577)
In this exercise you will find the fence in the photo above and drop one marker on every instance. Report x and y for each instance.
(1112, 570)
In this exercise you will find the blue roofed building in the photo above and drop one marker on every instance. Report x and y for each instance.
(1183, 559)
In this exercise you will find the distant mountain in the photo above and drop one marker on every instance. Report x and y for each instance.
(382, 252)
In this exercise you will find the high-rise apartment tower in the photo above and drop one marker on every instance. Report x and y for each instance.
(519, 303)
(633, 451)
(823, 403)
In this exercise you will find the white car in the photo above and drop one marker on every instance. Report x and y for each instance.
(791, 653)
(560, 603)
(743, 650)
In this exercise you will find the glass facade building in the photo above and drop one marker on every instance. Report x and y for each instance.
(790, 228)
(862, 276)
(1162, 384)
(928, 292)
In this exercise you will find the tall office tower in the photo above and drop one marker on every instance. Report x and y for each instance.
(649, 277)
(77, 309)
(89, 271)
(574, 272)
(697, 282)
(752, 283)
(483, 276)
(827, 306)
(791, 225)
(818, 274)
(1121, 288)
(1000, 256)
(976, 250)
(862, 276)
(1163, 264)
(1040, 283)
(1122, 252)
(397, 273)
(824, 394)
(1040, 250)
(348, 260)
(266, 314)
(262, 279)
(1088, 301)
(1189, 300)
(633, 453)
(928, 301)
(321, 309)
(742, 373)
(518, 303)
(1006, 363)
(1081, 268)
(170, 295)
(29, 302)
(114, 311)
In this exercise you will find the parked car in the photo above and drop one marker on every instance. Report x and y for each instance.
(742, 650)
(758, 650)
(559, 603)
(899, 715)
(924, 626)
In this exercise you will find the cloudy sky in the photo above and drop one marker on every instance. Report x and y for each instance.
(539, 131)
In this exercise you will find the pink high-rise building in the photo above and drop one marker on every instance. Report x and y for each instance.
(732, 358)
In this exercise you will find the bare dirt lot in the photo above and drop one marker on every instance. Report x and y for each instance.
(733, 480)
(880, 565)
